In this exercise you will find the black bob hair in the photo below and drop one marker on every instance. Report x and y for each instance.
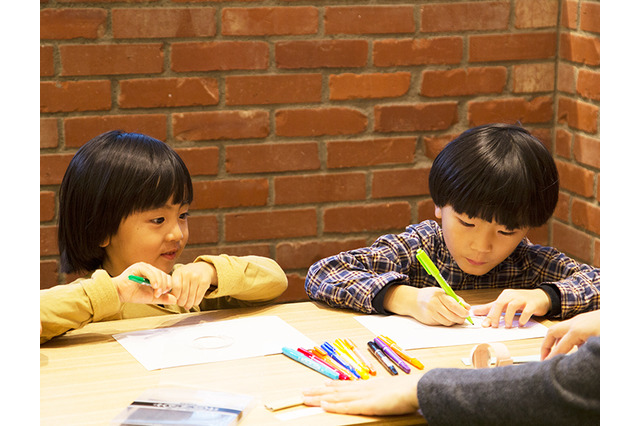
(496, 172)
(110, 177)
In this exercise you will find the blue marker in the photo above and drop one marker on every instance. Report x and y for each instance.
(322, 369)
(331, 351)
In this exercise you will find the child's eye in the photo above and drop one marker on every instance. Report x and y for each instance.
(507, 233)
(158, 220)
(465, 224)
(184, 215)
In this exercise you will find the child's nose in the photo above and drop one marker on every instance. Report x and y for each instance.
(175, 234)
(482, 243)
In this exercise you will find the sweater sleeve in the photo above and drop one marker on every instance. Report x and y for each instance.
(247, 278)
(564, 390)
(71, 306)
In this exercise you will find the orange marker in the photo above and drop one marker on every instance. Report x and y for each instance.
(359, 354)
(397, 349)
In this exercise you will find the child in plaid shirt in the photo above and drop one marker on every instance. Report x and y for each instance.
(490, 186)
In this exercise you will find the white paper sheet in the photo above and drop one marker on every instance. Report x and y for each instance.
(212, 341)
(409, 333)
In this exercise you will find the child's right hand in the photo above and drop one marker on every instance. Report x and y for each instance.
(429, 305)
(133, 292)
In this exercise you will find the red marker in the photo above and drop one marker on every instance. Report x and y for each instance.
(309, 355)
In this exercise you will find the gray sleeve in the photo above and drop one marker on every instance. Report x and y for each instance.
(562, 391)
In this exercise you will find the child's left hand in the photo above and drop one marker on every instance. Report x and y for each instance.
(510, 301)
(190, 282)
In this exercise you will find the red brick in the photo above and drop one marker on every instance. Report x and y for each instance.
(320, 188)
(463, 81)
(530, 78)
(566, 80)
(539, 235)
(368, 86)
(576, 179)
(48, 132)
(563, 143)
(163, 23)
(275, 224)
(69, 96)
(538, 110)
(587, 150)
(273, 89)
(49, 241)
(47, 66)
(426, 211)
(536, 13)
(265, 158)
(230, 193)
(368, 19)
(569, 17)
(590, 17)
(588, 84)
(48, 274)
(370, 152)
(407, 52)
(577, 114)
(219, 56)
(562, 208)
(444, 17)
(262, 21)
(400, 183)
(512, 47)
(47, 205)
(203, 229)
(200, 160)
(66, 24)
(370, 217)
(52, 168)
(168, 92)
(109, 59)
(585, 215)
(574, 243)
(213, 125)
(319, 121)
(321, 54)
(580, 49)
(78, 130)
(596, 253)
(298, 255)
(415, 117)
(433, 145)
(295, 290)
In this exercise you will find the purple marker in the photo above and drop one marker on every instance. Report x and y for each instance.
(392, 355)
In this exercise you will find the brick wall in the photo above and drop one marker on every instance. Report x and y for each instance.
(309, 126)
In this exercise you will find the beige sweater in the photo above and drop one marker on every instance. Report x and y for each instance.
(242, 281)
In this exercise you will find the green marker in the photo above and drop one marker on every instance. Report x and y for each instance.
(429, 266)
(139, 280)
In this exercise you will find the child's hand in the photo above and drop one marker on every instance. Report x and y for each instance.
(429, 305)
(562, 337)
(133, 292)
(528, 302)
(191, 282)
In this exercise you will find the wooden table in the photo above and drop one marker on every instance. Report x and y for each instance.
(87, 377)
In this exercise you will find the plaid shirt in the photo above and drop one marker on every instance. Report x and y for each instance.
(352, 279)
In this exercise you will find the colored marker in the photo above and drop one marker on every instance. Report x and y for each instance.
(352, 359)
(431, 269)
(311, 356)
(323, 355)
(320, 368)
(331, 351)
(393, 345)
(139, 280)
(367, 363)
(392, 355)
(382, 359)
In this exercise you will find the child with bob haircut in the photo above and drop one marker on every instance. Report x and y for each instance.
(490, 185)
(124, 204)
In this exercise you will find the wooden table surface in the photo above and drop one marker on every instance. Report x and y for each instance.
(87, 377)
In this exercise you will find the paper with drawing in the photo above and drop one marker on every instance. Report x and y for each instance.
(409, 333)
(211, 341)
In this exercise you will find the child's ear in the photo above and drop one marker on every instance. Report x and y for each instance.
(438, 212)
(106, 242)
